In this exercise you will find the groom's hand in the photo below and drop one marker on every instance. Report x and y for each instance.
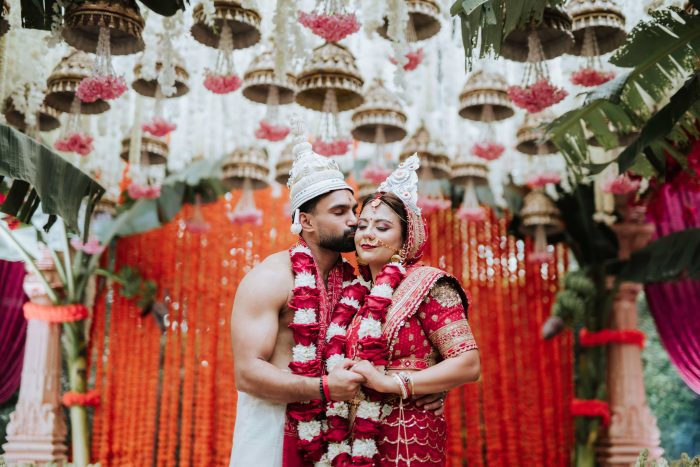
(343, 383)
(432, 402)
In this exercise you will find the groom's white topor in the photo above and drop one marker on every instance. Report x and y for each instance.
(311, 175)
(258, 436)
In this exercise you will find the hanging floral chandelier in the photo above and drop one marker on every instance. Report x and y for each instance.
(484, 99)
(470, 172)
(598, 28)
(25, 109)
(226, 26)
(146, 159)
(540, 219)
(331, 20)
(246, 169)
(380, 120)
(63, 82)
(534, 45)
(261, 85)
(330, 83)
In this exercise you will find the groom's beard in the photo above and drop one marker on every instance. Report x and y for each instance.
(342, 243)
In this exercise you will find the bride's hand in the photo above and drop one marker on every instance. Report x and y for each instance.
(375, 379)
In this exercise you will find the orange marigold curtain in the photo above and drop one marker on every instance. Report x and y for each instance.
(168, 398)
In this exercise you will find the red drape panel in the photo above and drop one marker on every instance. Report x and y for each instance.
(13, 327)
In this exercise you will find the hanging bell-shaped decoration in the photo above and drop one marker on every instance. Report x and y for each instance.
(601, 18)
(553, 33)
(4, 23)
(249, 163)
(423, 20)
(148, 86)
(381, 110)
(531, 135)
(244, 24)
(432, 153)
(484, 98)
(470, 172)
(284, 164)
(46, 118)
(64, 80)
(540, 219)
(154, 151)
(83, 21)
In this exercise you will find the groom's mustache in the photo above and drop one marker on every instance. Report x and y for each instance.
(350, 232)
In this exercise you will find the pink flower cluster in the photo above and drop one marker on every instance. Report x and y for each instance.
(621, 185)
(271, 132)
(159, 127)
(536, 97)
(246, 216)
(221, 84)
(91, 247)
(332, 28)
(79, 143)
(539, 257)
(543, 179)
(143, 191)
(474, 214)
(488, 150)
(197, 226)
(414, 57)
(591, 77)
(98, 87)
(375, 174)
(429, 205)
(337, 147)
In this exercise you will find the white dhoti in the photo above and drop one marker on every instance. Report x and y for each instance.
(258, 436)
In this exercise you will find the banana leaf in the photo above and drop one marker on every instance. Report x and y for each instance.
(661, 54)
(488, 22)
(40, 176)
(669, 258)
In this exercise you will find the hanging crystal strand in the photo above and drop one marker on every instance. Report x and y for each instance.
(245, 211)
(158, 106)
(272, 106)
(540, 240)
(224, 59)
(380, 143)
(329, 122)
(470, 200)
(536, 68)
(103, 60)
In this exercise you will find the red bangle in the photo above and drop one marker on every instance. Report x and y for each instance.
(326, 389)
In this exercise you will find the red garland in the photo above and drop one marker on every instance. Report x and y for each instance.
(591, 408)
(608, 336)
(87, 399)
(55, 313)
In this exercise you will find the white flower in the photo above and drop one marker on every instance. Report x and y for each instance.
(334, 449)
(346, 283)
(305, 279)
(364, 448)
(309, 430)
(334, 330)
(370, 327)
(400, 267)
(324, 462)
(362, 282)
(382, 290)
(369, 410)
(333, 361)
(303, 353)
(350, 302)
(338, 409)
(300, 249)
(209, 10)
(305, 316)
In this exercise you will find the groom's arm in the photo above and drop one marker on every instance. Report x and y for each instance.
(261, 295)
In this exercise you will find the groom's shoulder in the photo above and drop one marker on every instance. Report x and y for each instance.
(275, 268)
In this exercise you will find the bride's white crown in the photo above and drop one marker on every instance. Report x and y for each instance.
(403, 182)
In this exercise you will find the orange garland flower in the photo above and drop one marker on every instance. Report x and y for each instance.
(88, 399)
(55, 313)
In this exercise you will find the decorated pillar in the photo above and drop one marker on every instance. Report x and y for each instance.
(37, 429)
(632, 425)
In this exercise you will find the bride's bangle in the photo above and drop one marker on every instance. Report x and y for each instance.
(402, 385)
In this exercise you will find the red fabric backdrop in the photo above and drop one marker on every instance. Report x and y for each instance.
(169, 399)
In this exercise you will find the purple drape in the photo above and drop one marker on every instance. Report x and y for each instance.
(675, 306)
(13, 327)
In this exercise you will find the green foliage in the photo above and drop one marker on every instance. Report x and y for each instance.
(135, 287)
(6, 408)
(41, 175)
(488, 22)
(660, 53)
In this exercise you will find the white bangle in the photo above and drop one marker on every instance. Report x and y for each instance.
(402, 387)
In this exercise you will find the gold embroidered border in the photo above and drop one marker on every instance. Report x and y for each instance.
(454, 338)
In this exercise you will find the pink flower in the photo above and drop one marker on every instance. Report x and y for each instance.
(488, 150)
(415, 58)
(591, 77)
(98, 87)
(91, 247)
(539, 257)
(474, 214)
(430, 205)
(540, 180)
(332, 28)
(143, 191)
(197, 226)
(337, 147)
(221, 84)
(158, 127)
(536, 97)
(375, 174)
(621, 185)
(79, 143)
(246, 216)
(271, 132)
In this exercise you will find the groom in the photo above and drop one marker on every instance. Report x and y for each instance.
(324, 215)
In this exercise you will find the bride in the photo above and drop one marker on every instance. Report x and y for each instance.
(411, 336)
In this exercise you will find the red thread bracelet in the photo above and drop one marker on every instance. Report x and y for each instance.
(326, 389)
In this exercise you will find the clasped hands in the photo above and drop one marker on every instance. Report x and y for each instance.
(346, 378)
